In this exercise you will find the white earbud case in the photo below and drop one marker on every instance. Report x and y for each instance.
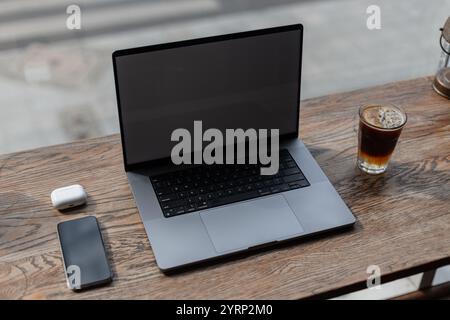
(68, 197)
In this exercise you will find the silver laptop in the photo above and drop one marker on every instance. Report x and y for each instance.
(198, 212)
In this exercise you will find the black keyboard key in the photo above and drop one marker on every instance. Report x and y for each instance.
(221, 186)
(277, 175)
(292, 178)
(180, 210)
(169, 212)
(160, 184)
(287, 172)
(268, 183)
(233, 198)
(191, 200)
(182, 195)
(304, 183)
(277, 181)
(229, 192)
(290, 164)
(191, 207)
(230, 184)
(275, 190)
(202, 205)
(168, 197)
(294, 185)
(210, 196)
(285, 155)
(299, 184)
(155, 179)
(177, 203)
(264, 191)
(220, 194)
(163, 191)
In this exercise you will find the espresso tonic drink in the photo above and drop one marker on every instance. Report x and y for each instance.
(380, 126)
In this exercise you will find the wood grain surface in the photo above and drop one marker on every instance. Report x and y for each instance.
(403, 216)
(441, 292)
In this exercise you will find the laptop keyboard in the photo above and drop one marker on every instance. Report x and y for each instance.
(208, 186)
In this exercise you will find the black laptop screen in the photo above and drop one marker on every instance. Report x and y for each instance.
(244, 82)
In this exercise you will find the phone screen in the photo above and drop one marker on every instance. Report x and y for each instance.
(85, 260)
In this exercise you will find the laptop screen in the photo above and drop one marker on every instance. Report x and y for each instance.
(248, 80)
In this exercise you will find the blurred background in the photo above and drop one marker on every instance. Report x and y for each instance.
(56, 84)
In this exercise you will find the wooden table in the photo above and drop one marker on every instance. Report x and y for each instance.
(403, 216)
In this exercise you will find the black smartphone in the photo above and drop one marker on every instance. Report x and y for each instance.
(84, 256)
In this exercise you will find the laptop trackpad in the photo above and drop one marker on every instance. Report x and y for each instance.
(247, 224)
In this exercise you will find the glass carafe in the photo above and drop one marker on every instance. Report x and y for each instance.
(441, 81)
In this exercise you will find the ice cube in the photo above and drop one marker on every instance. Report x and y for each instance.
(389, 118)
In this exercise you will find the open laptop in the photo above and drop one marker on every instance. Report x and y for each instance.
(194, 213)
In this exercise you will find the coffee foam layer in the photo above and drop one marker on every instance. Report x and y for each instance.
(383, 117)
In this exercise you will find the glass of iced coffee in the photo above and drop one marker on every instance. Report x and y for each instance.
(380, 126)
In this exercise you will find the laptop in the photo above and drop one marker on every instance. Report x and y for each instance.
(197, 212)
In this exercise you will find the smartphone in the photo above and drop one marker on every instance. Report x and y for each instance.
(83, 251)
